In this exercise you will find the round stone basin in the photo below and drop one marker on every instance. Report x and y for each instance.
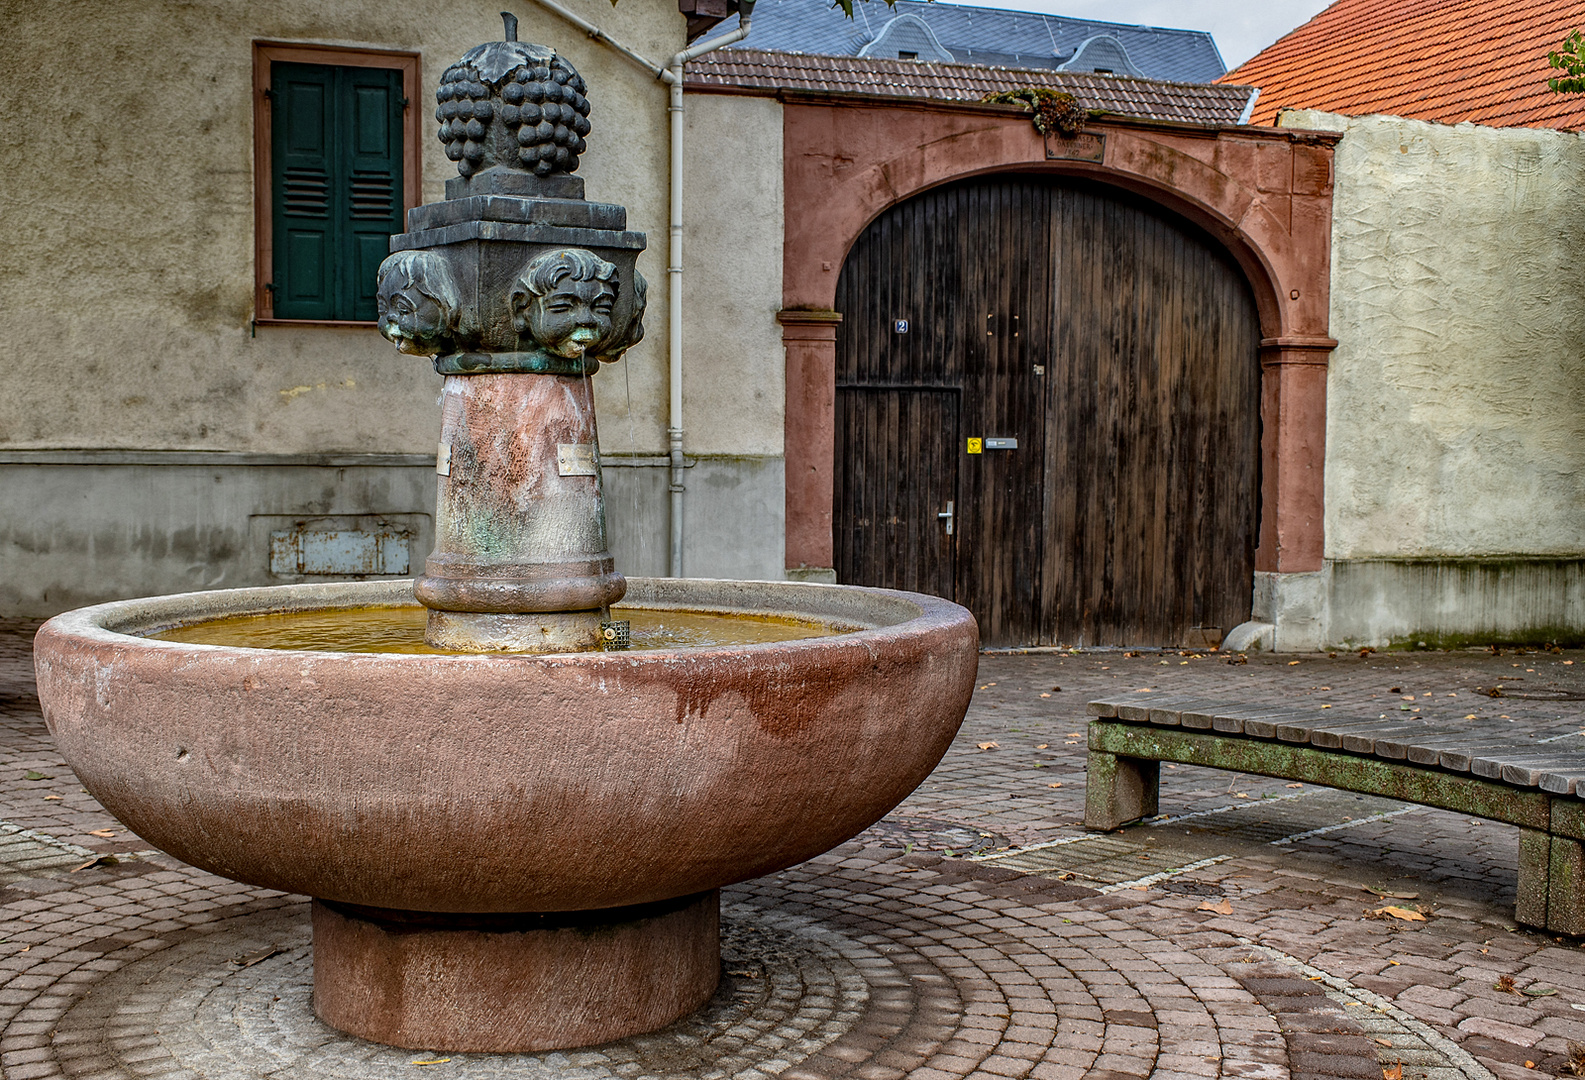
(387, 786)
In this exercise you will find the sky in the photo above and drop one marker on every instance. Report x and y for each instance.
(1241, 27)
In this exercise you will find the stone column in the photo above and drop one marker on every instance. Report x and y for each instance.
(1293, 453)
(810, 447)
(1291, 588)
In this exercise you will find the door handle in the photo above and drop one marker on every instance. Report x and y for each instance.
(946, 516)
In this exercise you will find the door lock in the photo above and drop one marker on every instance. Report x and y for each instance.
(946, 516)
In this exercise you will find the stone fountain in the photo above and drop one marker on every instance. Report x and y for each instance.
(516, 840)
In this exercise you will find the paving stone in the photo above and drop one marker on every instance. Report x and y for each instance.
(913, 950)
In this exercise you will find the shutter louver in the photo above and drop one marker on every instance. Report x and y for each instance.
(337, 178)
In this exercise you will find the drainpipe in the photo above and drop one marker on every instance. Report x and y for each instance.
(671, 74)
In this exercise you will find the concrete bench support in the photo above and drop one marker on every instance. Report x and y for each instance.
(1124, 783)
(1119, 790)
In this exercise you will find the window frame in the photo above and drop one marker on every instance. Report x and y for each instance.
(265, 55)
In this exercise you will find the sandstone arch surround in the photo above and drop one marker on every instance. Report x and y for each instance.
(1264, 193)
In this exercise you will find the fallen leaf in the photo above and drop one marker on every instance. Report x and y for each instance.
(1537, 991)
(1385, 1042)
(989, 746)
(247, 960)
(1057, 784)
(1387, 894)
(105, 833)
(102, 860)
(1295, 785)
(31, 775)
(1042, 746)
(1529, 1064)
(1293, 663)
(1056, 689)
(1074, 735)
(1392, 1072)
(52, 798)
(1404, 914)
(1045, 695)
(1326, 706)
(1225, 907)
(429, 1061)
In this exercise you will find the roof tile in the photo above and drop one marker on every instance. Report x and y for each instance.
(1451, 61)
(751, 69)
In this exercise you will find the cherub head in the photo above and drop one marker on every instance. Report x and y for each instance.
(564, 301)
(418, 303)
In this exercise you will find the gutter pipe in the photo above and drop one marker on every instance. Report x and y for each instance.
(671, 74)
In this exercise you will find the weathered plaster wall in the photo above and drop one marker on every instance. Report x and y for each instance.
(732, 281)
(126, 278)
(1456, 394)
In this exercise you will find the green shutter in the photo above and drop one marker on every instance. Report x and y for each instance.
(336, 174)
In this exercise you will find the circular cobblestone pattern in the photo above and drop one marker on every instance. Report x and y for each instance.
(236, 1002)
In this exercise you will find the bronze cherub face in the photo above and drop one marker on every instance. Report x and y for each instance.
(418, 303)
(564, 302)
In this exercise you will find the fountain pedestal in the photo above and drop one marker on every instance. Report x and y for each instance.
(481, 983)
(521, 561)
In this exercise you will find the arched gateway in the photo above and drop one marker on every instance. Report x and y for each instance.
(1048, 408)
(1173, 282)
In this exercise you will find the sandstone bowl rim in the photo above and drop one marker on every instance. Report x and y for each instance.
(883, 614)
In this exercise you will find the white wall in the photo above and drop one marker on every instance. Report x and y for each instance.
(1455, 446)
(1456, 395)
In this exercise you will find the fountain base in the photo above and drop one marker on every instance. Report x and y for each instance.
(513, 983)
(536, 632)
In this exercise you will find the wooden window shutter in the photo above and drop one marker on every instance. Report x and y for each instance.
(336, 179)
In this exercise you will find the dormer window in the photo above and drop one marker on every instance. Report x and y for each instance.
(907, 56)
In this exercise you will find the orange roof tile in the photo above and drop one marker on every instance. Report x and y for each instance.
(1449, 61)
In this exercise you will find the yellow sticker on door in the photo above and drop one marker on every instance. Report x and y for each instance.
(976, 446)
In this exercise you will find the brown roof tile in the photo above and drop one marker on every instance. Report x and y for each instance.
(1482, 61)
(752, 69)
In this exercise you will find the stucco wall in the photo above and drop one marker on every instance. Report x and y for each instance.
(1456, 394)
(126, 276)
(734, 378)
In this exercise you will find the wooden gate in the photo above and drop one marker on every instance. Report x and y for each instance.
(1076, 372)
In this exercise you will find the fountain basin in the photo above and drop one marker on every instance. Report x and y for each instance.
(390, 785)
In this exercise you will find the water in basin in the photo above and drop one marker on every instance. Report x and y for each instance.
(401, 630)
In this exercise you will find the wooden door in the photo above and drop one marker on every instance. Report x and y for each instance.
(1117, 345)
(899, 484)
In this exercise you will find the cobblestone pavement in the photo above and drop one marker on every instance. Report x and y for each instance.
(976, 932)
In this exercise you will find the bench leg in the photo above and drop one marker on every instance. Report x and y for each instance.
(1565, 888)
(1119, 790)
(1535, 865)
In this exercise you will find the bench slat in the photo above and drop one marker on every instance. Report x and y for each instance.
(1261, 723)
(1523, 770)
(1371, 739)
(1562, 781)
(1429, 750)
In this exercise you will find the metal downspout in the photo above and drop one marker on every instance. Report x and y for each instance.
(672, 75)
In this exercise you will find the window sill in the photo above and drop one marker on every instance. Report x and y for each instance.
(370, 324)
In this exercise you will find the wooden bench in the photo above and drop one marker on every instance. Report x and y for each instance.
(1461, 766)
